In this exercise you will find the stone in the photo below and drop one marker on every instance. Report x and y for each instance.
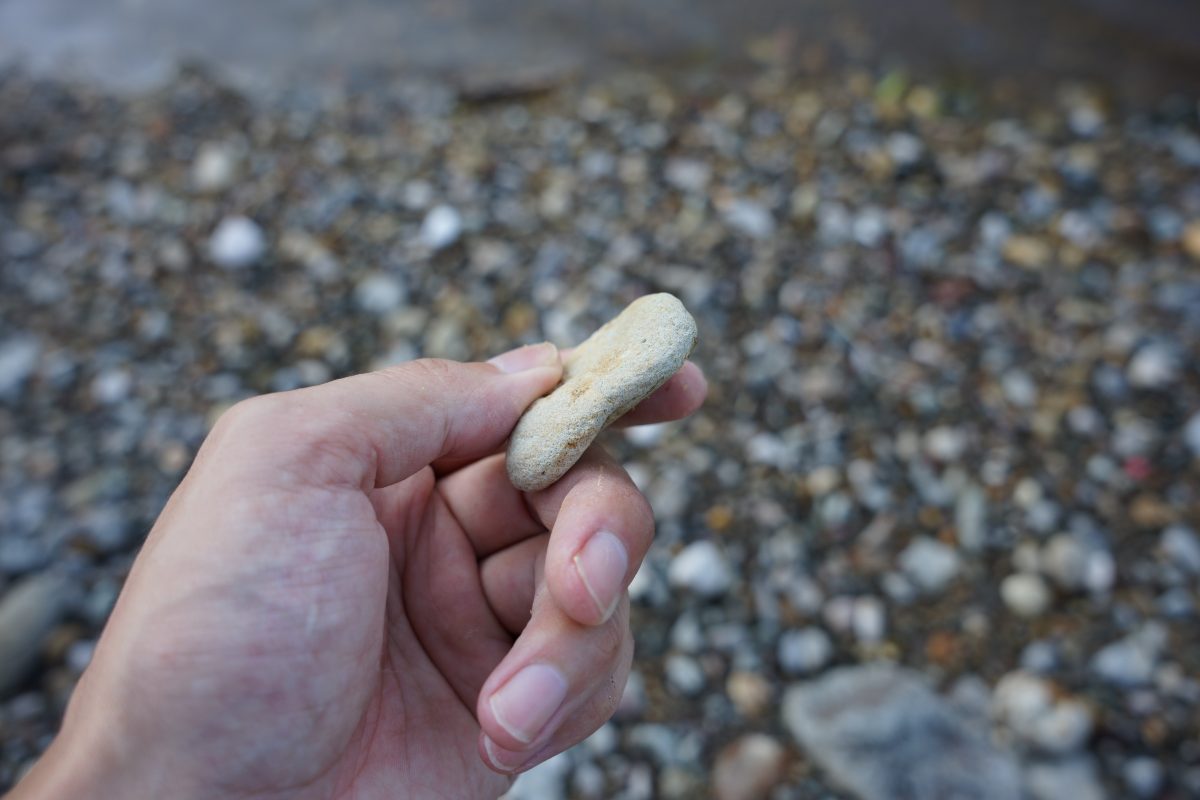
(701, 568)
(970, 518)
(1074, 778)
(1038, 717)
(1181, 546)
(441, 227)
(1143, 776)
(1191, 434)
(237, 243)
(379, 293)
(750, 218)
(879, 732)
(930, 564)
(1025, 594)
(749, 692)
(617, 367)
(18, 360)
(29, 610)
(1130, 662)
(1154, 366)
(748, 768)
(215, 167)
(684, 674)
(804, 651)
(1065, 560)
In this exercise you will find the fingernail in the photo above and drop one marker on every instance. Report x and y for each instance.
(524, 704)
(494, 756)
(602, 564)
(528, 357)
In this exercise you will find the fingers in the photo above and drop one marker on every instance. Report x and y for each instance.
(601, 527)
(490, 509)
(378, 428)
(511, 577)
(560, 682)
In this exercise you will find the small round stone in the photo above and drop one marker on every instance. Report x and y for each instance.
(1025, 594)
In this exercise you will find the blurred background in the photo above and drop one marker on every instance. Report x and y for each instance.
(935, 533)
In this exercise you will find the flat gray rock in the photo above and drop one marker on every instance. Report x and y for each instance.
(618, 366)
(881, 733)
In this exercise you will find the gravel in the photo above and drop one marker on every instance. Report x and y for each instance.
(951, 338)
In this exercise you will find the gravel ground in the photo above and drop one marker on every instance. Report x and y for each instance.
(934, 532)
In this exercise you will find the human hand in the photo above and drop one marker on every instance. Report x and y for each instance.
(346, 597)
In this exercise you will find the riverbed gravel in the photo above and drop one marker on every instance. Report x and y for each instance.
(950, 464)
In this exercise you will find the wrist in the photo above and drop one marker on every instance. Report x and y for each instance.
(93, 758)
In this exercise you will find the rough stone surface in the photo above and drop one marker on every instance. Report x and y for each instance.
(881, 733)
(615, 369)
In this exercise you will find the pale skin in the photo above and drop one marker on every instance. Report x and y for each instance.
(345, 597)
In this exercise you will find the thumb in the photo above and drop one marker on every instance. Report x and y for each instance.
(378, 428)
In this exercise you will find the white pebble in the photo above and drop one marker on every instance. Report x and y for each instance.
(804, 651)
(930, 564)
(441, 228)
(1181, 546)
(1154, 366)
(1191, 434)
(215, 167)
(379, 294)
(112, 386)
(688, 174)
(944, 443)
(1025, 594)
(18, 359)
(750, 218)
(869, 620)
(237, 243)
(701, 568)
(684, 675)
(1143, 776)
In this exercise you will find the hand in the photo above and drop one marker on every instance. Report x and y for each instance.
(346, 597)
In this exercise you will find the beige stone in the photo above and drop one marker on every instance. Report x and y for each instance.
(617, 367)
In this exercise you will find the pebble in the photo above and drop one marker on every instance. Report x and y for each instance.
(237, 243)
(1074, 778)
(1025, 594)
(1032, 710)
(616, 368)
(29, 610)
(804, 651)
(1154, 366)
(684, 674)
(216, 167)
(931, 565)
(1129, 662)
(18, 359)
(1191, 434)
(701, 568)
(380, 293)
(1143, 776)
(442, 227)
(749, 692)
(750, 218)
(748, 768)
(879, 732)
(1181, 546)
